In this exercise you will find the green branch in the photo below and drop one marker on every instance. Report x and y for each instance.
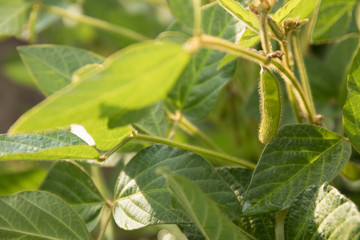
(302, 70)
(198, 150)
(251, 55)
(95, 22)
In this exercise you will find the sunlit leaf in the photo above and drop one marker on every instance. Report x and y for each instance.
(39, 215)
(48, 145)
(301, 155)
(141, 194)
(124, 83)
(322, 213)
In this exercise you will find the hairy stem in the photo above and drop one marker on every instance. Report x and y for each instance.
(302, 70)
(265, 41)
(95, 22)
(276, 64)
(201, 151)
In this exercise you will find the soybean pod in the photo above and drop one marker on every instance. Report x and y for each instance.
(270, 106)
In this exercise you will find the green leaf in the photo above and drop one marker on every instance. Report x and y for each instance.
(71, 183)
(39, 215)
(329, 74)
(106, 138)
(13, 16)
(141, 195)
(198, 87)
(238, 179)
(13, 182)
(183, 10)
(262, 226)
(335, 19)
(244, 15)
(155, 122)
(301, 155)
(48, 145)
(53, 66)
(351, 114)
(133, 78)
(150, 120)
(322, 213)
(206, 215)
(296, 8)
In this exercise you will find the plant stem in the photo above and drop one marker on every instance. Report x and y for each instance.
(275, 64)
(279, 229)
(95, 22)
(197, 17)
(32, 22)
(111, 151)
(302, 70)
(265, 41)
(201, 151)
(175, 122)
(105, 223)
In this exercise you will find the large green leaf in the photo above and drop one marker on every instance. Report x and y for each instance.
(13, 16)
(261, 226)
(206, 215)
(48, 145)
(322, 213)
(141, 195)
(72, 184)
(183, 10)
(334, 20)
(133, 78)
(13, 182)
(351, 113)
(296, 8)
(199, 85)
(301, 155)
(52, 66)
(39, 215)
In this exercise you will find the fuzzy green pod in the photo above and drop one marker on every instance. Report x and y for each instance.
(270, 106)
(275, 28)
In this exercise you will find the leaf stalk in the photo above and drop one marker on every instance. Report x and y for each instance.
(198, 150)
